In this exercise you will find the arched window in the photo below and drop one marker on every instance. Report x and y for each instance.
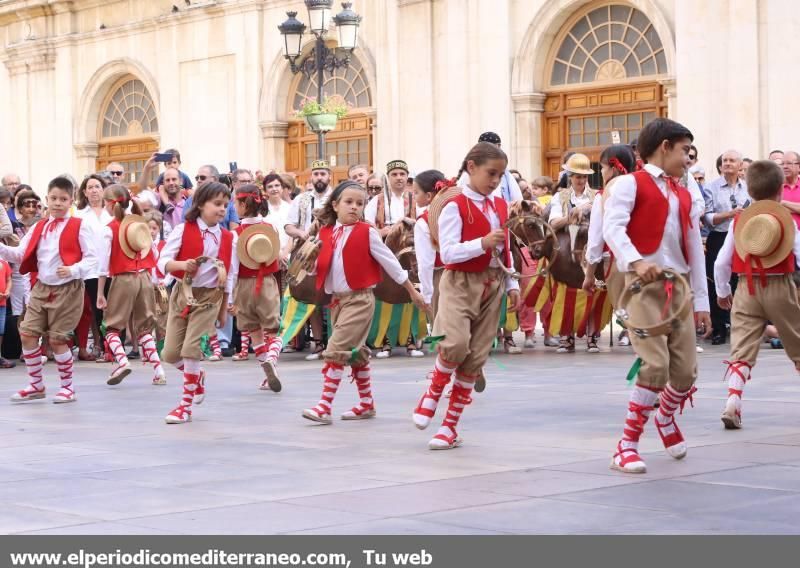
(128, 128)
(608, 43)
(351, 142)
(351, 83)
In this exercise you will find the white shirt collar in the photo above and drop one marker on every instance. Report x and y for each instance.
(204, 227)
(472, 194)
(252, 220)
(654, 171)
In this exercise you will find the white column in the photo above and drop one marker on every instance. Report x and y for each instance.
(526, 152)
(273, 141)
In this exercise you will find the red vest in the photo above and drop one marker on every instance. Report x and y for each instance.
(120, 263)
(245, 272)
(192, 246)
(742, 266)
(69, 246)
(361, 270)
(649, 215)
(475, 225)
(438, 262)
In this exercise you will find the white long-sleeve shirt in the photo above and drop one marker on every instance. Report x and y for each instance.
(206, 276)
(426, 256)
(98, 223)
(617, 215)
(452, 250)
(395, 209)
(723, 266)
(336, 281)
(49, 256)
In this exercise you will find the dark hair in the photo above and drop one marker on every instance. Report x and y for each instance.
(481, 153)
(775, 152)
(764, 180)
(273, 177)
(656, 132)
(63, 184)
(205, 193)
(748, 160)
(22, 187)
(427, 180)
(174, 152)
(696, 153)
(24, 195)
(83, 201)
(633, 143)
(252, 206)
(328, 215)
(621, 152)
(719, 164)
(122, 199)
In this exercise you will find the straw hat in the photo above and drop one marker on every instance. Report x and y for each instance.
(578, 164)
(765, 230)
(435, 210)
(134, 236)
(258, 245)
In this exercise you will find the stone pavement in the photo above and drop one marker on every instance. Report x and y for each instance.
(535, 459)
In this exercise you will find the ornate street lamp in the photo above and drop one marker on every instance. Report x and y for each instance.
(321, 58)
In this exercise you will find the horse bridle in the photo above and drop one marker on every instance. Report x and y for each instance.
(548, 232)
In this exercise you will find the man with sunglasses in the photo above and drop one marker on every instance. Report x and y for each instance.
(117, 172)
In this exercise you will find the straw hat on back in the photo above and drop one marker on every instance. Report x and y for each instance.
(258, 245)
(134, 236)
(764, 232)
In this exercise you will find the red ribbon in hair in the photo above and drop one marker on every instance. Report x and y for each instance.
(244, 195)
(444, 184)
(617, 165)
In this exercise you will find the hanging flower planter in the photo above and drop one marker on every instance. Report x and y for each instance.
(322, 117)
(323, 122)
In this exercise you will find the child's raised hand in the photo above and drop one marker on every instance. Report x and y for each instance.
(191, 267)
(64, 272)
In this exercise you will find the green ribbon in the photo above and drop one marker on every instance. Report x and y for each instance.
(493, 358)
(433, 341)
(634, 370)
(354, 353)
(621, 324)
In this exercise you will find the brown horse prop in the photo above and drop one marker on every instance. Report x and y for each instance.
(400, 241)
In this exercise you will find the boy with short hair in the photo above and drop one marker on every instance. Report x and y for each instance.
(649, 226)
(762, 247)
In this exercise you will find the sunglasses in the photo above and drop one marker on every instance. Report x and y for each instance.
(375, 187)
(29, 203)
(116, 173)
(200, 178)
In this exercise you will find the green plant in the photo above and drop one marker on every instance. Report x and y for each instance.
(330, 105)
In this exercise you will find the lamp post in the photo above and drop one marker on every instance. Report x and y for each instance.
(321, 58)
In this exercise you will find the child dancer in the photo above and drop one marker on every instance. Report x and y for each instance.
(472, 244)
(128, 258)
(762, 246)
(257, 299)
(648, 224)
(350, 258)
(199, 253)
(161, 297)
(61, 249)
(429, 264)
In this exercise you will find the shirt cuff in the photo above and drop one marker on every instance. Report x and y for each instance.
(724, 291)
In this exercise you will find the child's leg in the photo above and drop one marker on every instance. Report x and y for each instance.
(331, 377)
(747, 324)
(244, 352)
(32, 355)
(191, 380)
(366, 406)
(216, 348)
(63, 357)
(640, 406)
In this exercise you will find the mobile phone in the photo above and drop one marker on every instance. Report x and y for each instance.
(233, 166)
(165, 158)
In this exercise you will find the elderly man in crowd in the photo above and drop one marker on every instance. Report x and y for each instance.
(726, 197)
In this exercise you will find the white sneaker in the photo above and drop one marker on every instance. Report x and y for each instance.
(415, 353)
(119, 373)
(530, 343)
(384, 354)
(551, 342)
(624, 341)
(699, 349)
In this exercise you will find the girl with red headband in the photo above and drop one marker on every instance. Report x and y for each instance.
(127, 259)
(256, 301)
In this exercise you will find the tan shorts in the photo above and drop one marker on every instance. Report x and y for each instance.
(468, 316)
(258, 312)
(184, 334)
(351, 318)
(130, 299)
(161, 302)
(53, 311)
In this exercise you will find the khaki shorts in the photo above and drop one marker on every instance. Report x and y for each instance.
(130, 298)
(351, 318)
(253, 312)
(53, 311)
(184, 333)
